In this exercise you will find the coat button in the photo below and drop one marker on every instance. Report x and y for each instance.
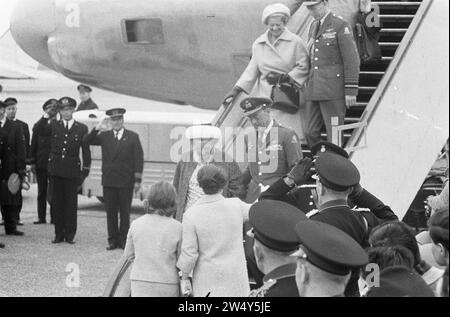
(260, 174)
(338, 75)
(317, 49)
(259, 163)
(317, 41)
(316, 59)
(67, 135)
(316, 67)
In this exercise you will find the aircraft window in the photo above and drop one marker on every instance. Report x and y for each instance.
(144, 31)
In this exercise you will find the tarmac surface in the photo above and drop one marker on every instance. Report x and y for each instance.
(31, 266)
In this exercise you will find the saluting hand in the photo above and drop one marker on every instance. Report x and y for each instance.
(103, 124)
(350, 101)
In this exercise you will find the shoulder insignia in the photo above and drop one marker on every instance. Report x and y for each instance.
(357, 209)
(312, 213)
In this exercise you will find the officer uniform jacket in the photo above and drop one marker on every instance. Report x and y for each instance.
(279, 283)
(64, 160)
(287, 55)
(26, 134)
(272, 159)
(40, 144)
(122, 161)
(13, 160)
(87, 105)
(334, 61)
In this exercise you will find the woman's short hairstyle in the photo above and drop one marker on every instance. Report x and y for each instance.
(161, 199)
(438, 225)
(212, 179)
(388, 256)
(396, 233)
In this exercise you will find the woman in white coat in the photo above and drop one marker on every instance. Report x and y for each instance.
(212, 248)
(278, 55)
(154, 240)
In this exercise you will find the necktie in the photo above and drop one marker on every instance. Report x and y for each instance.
(67, 126)
(316, 29)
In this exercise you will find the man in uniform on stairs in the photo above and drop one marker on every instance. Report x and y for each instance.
(85, 96)
(333, 83)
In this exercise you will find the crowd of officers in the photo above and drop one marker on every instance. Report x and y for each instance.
(59, 156)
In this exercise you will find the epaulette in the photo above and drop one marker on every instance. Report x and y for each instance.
(357, 209)
(262, 291)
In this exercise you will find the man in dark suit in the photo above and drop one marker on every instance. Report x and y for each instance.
(85, 96)
(66, 170)
(11, 112)
(39, 154)
(122, 166)
(2, 246)
(13, 162)
(334, 77)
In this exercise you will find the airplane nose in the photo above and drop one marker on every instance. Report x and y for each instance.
(31, 24)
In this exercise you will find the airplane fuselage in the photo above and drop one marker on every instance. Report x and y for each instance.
(169, 50)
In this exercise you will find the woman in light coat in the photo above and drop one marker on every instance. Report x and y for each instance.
(154, 240)
(212, 249)
(278, 55)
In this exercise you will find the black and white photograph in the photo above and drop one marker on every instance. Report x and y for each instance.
(234, 151)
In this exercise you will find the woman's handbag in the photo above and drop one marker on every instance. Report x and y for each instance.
(367, 38)
(285, 97)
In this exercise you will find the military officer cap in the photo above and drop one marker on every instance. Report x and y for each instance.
(324, 146)
(50, 102)
(274, 224)
(312, 3)
(84, 88)
(252, 105)
(116, 113)
(203, 132)
(336, 172)
(399, 281)
(11, 101)
(67, 102)
(329, 248)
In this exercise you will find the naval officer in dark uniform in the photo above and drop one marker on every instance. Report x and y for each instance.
(122, 167)
(273, 228)
(325, 259)
(12, 163)
(333, 82)
(39, 155)
(66, 170)
(85, 96)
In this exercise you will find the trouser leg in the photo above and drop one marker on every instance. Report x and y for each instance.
(42, 184)
(10, 214)
(71, 207)
(58, 200)
(314, 122)
(111, 197)
(126, 197)
(330, 109)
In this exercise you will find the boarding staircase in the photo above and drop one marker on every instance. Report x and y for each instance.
(401, 21)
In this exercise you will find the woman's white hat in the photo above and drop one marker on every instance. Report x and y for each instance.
(276, 8)
(203, 132)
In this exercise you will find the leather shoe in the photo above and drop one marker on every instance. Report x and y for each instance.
(40, 222)
(55, 241)
(2, 246)
(111, 247)
(70, 241)
(15, 233)
(19, 223)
